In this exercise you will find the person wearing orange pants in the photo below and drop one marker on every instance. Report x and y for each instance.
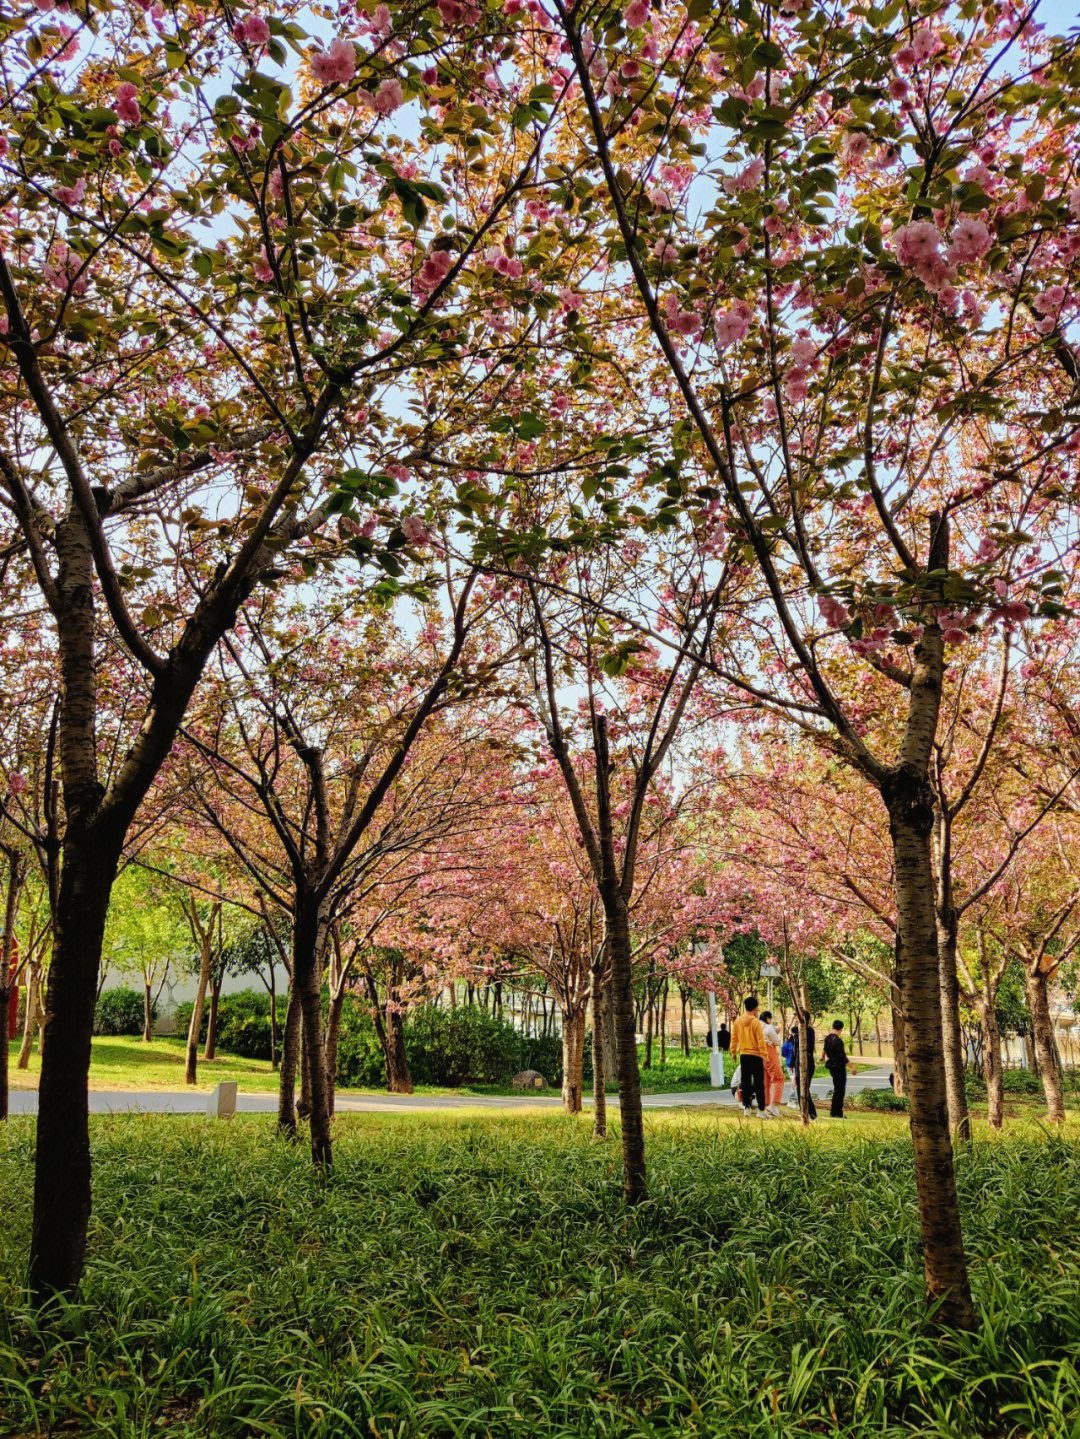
(774, 1072)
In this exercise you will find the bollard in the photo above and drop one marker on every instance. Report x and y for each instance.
(222, 1103)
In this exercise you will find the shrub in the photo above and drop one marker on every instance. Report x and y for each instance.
(445, 1047)
(359, 1056)
(120, 1011)
(882, 1099)
(243, 1022)
(461, 1046)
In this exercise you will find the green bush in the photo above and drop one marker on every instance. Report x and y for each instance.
(465, 1045)
(121, 1011)
(882, 1099)
(445, 1047)
(243, 1022)
(1020, 1082)
(360, 1060)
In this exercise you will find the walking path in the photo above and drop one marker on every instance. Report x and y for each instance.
(165, 1101)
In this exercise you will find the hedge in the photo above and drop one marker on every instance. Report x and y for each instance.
(121, 1011)
(445, 1047)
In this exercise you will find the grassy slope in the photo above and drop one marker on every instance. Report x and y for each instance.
(471, 1276)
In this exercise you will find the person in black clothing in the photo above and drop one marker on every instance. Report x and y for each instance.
(836, 1062)
(811, 1039)
(723, 1037)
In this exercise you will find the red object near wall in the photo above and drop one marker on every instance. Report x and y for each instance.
(13, 998)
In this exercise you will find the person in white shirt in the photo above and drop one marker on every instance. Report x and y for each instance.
(774, 1072)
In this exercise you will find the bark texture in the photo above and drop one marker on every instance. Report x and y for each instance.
(573, 1056)
(598, 1064)
(1042, 1035)
(910, 805)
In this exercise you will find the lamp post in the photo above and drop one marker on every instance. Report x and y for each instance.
(770, 971)
(716, 1061)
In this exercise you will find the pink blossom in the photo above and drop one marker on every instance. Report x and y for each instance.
(970, 240)
(256, 30)
(917, 241)
(924, 43)
(388, 97)
(803, 351)
(934, 271)
(636, 14)
(264, 271)
(415, 531)
(72, 194)
(898, 88)
(687, 323)
(747, 179)
(1050, 301)
(381, 19)
(62, 270)
(796, 384)
(336, 65)
(17, 784)
(454, 12)
(127, 105)
(833, 612)
(854, 146)
(71, 49)
(1016, 612)
(398, 472)
(433, 271)
(733, 325)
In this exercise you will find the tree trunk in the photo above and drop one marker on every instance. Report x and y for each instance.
(306, 977)
(5, 1056)
(598, 1066)
(804, 1062)
(684, 1033)
(7, 978)
(649, 1006)
(951, 1032)
(148, 1012)
(995, 1090)
(62, 1160)
(631, 1121)
(30, 1019)
(210, 1052)
(1042, 1035)
(333, 1027)
(273, 1018)
(191, 1064)
(611, 1057)
(911, 816)
(290, 1053)
(899, 1051)
(663, 1023)
(573, 1054)
(398, 1078)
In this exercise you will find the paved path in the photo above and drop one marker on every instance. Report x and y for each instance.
(165, 1101)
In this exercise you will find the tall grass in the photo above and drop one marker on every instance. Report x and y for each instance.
(481, 1276)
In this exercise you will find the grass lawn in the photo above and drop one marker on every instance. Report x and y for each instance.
(478, 1276)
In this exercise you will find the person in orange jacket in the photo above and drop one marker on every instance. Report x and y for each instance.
(749, 1048)
(774, 1070)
